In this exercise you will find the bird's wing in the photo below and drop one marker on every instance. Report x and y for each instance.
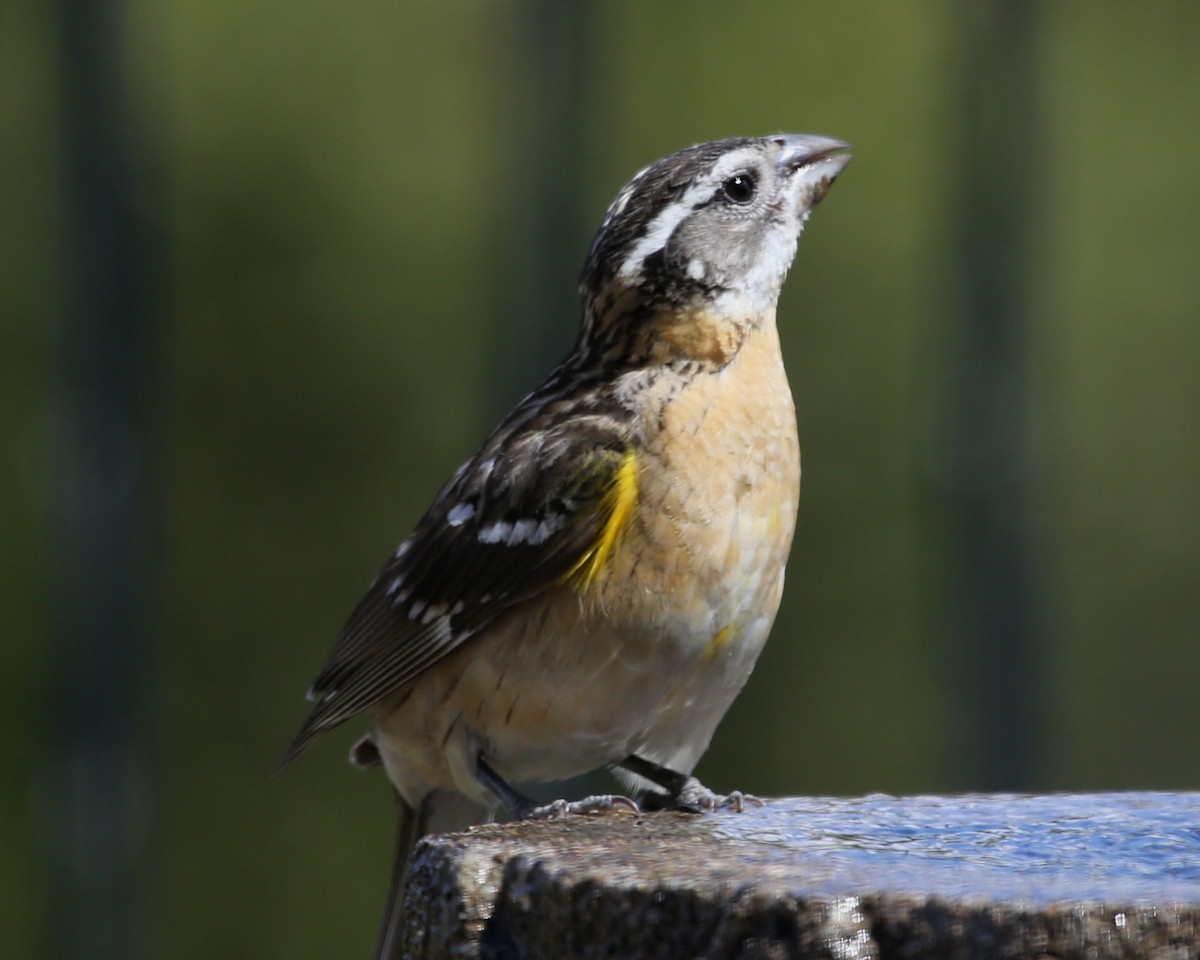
(523, 514)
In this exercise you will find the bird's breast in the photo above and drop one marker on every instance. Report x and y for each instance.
(718, 486)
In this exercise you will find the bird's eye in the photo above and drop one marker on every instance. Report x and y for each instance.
(740, 188)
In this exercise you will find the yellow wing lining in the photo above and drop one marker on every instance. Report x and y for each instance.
(619, 502)
(718, 641)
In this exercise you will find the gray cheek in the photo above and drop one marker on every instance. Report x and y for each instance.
(732, 255)
(715, 251)
(736, 249)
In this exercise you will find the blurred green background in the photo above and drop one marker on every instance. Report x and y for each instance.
(345, 273)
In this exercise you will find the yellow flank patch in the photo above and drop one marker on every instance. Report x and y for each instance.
(774, 518)
(720, 638)
(619, 502)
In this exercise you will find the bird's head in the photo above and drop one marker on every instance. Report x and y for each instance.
(709, 231)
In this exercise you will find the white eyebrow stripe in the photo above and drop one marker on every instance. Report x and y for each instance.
(658, 234)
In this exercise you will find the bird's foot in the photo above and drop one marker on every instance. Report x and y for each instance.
(694, 797)
(682, 791)
(521, 807)
(565, 808)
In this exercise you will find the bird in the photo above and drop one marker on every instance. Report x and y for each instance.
(591, 589)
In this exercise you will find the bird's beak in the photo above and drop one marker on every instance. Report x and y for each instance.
(812, 161)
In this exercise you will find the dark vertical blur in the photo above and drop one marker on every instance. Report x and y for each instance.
(999, 176)
(546, 221)
(97, 780)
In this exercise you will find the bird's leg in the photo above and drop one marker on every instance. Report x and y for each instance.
(684, 792)
(521, 807)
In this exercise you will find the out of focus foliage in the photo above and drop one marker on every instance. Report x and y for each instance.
(332, 190)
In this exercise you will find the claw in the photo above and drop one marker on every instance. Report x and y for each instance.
(695, 797)
(590, 805)
(736, 801)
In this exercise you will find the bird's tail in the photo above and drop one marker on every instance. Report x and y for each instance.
(440, 812)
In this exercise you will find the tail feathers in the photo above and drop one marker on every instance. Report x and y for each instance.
(440, 812)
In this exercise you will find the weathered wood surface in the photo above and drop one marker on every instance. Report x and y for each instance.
(1093, 875)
